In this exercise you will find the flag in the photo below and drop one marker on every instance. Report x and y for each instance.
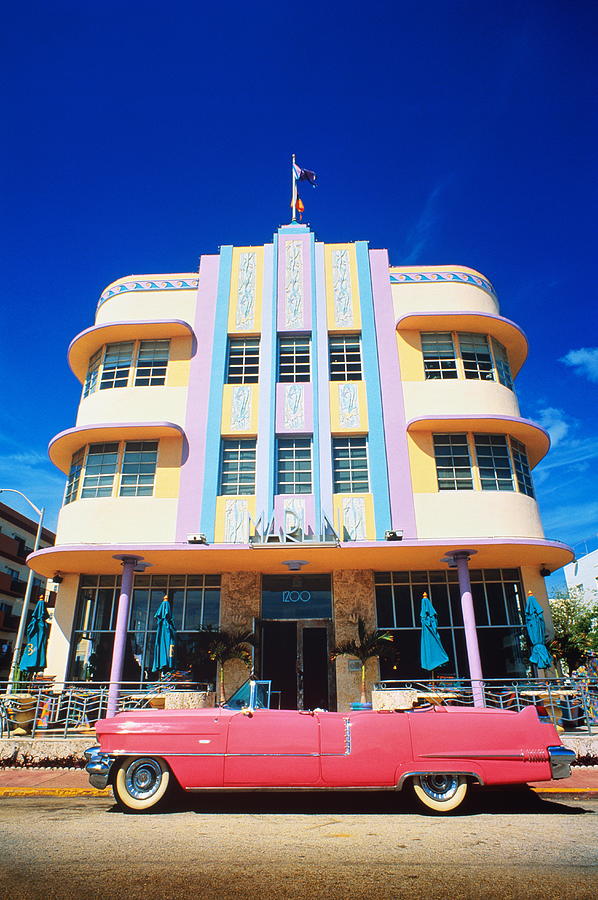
(298, 207)
(304, 174)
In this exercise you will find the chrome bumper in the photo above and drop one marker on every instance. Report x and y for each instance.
(98, 767)
(560, 761)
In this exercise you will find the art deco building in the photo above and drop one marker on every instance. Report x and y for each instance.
(298, 435)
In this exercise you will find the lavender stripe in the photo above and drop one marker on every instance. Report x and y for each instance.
(192, 469)
(265, 446)
(402, 507)
(323, 418)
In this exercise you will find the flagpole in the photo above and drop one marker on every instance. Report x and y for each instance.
(294, 194)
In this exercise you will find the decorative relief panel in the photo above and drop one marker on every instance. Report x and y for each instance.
(348, 401)
(294, 284)
(240, 417)
(354, 518)
(245, 320)
(236, 522)
(294, 516)
(341, 284)
(294, 406)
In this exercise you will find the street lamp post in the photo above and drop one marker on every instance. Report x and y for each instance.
(28, 589)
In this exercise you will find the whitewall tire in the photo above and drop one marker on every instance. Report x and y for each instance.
(141, 782)
(441, 792)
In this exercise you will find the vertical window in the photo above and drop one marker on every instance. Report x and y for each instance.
(91, 379)
(72, 485)
(475, 352)
(350, 464)
(243, 361)
(293, 359)
(152, 361)
(117, 364)
(503, 369)
(345, 358)
(139, 469)
(237, 467)
(522, 469)
(294, 466)
(100, 469)
(493, 462)
(453, 464)
(439, 354)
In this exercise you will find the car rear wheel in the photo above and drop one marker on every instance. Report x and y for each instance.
(141, 782)
(441, 792)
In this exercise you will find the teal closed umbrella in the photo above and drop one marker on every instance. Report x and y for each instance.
(433, 653)
(33, 658)
(536, 629)
(164, 648)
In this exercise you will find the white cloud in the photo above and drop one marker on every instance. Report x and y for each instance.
(421, 232)
(555, 422)
(584, 362)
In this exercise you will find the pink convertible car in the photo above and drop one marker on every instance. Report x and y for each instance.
(440, 751)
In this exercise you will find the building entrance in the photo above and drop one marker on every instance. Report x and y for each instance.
(295, 657)
(295, 640)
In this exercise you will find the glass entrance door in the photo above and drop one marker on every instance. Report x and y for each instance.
(295, 657)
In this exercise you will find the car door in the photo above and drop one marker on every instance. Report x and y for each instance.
(364, 748)
(272, 748)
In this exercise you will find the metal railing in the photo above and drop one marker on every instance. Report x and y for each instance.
(70, 709)
(570, 703)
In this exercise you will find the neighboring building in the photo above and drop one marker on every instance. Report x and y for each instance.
(291, 438)
(17, 537)
(583, 573)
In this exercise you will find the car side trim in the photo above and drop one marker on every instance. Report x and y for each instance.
(406, 775)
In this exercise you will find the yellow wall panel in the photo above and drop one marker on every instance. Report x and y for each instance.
(344, 524)
(231, 516)
(410, 356)
(355, 324)
(179, 362)
(361, 418)
(233, 325)
(168, 469)
(423, 462)
(226, 427)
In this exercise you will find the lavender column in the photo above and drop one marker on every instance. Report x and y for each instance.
(120, 634)
(460, 559)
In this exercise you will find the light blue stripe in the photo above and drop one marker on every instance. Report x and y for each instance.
(376, 443)
(265, 448)
(316, 342)
(217, 374)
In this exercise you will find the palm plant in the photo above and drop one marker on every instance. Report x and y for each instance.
(369, 645)
(228, 645)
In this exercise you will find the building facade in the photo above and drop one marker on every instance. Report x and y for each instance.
(298, 435)
(583, 574)
(17, 539)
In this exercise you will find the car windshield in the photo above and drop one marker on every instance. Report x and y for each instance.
(251, 694)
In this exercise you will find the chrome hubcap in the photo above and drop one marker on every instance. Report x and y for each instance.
(439, 787)
(142, 778)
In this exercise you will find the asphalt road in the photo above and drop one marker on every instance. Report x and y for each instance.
(511, 844)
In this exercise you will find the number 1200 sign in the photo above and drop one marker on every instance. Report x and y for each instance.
(296, 596)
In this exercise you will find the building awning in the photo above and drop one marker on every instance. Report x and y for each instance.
(85, 344)
(505, 331)
(62, 447)
(183, 558)
(536, 440)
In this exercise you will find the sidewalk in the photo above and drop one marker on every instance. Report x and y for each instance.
(75, 783)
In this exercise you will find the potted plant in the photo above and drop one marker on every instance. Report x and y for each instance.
(369, 645)
(229, 645)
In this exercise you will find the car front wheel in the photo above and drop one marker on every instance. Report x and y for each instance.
(141, 782)
(441, 792)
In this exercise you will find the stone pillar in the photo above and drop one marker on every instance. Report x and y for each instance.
(240, 604)
(460, 558)
(353, 596)
(120, 633)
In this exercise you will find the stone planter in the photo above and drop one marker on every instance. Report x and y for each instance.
(189, 699)
(394, 699)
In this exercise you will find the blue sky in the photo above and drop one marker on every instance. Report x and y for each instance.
(140, 135)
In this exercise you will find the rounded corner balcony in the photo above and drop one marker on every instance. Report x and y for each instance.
(127, 284)
(498, 327)
(66, 443)
(532, 436)
(89, 341)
